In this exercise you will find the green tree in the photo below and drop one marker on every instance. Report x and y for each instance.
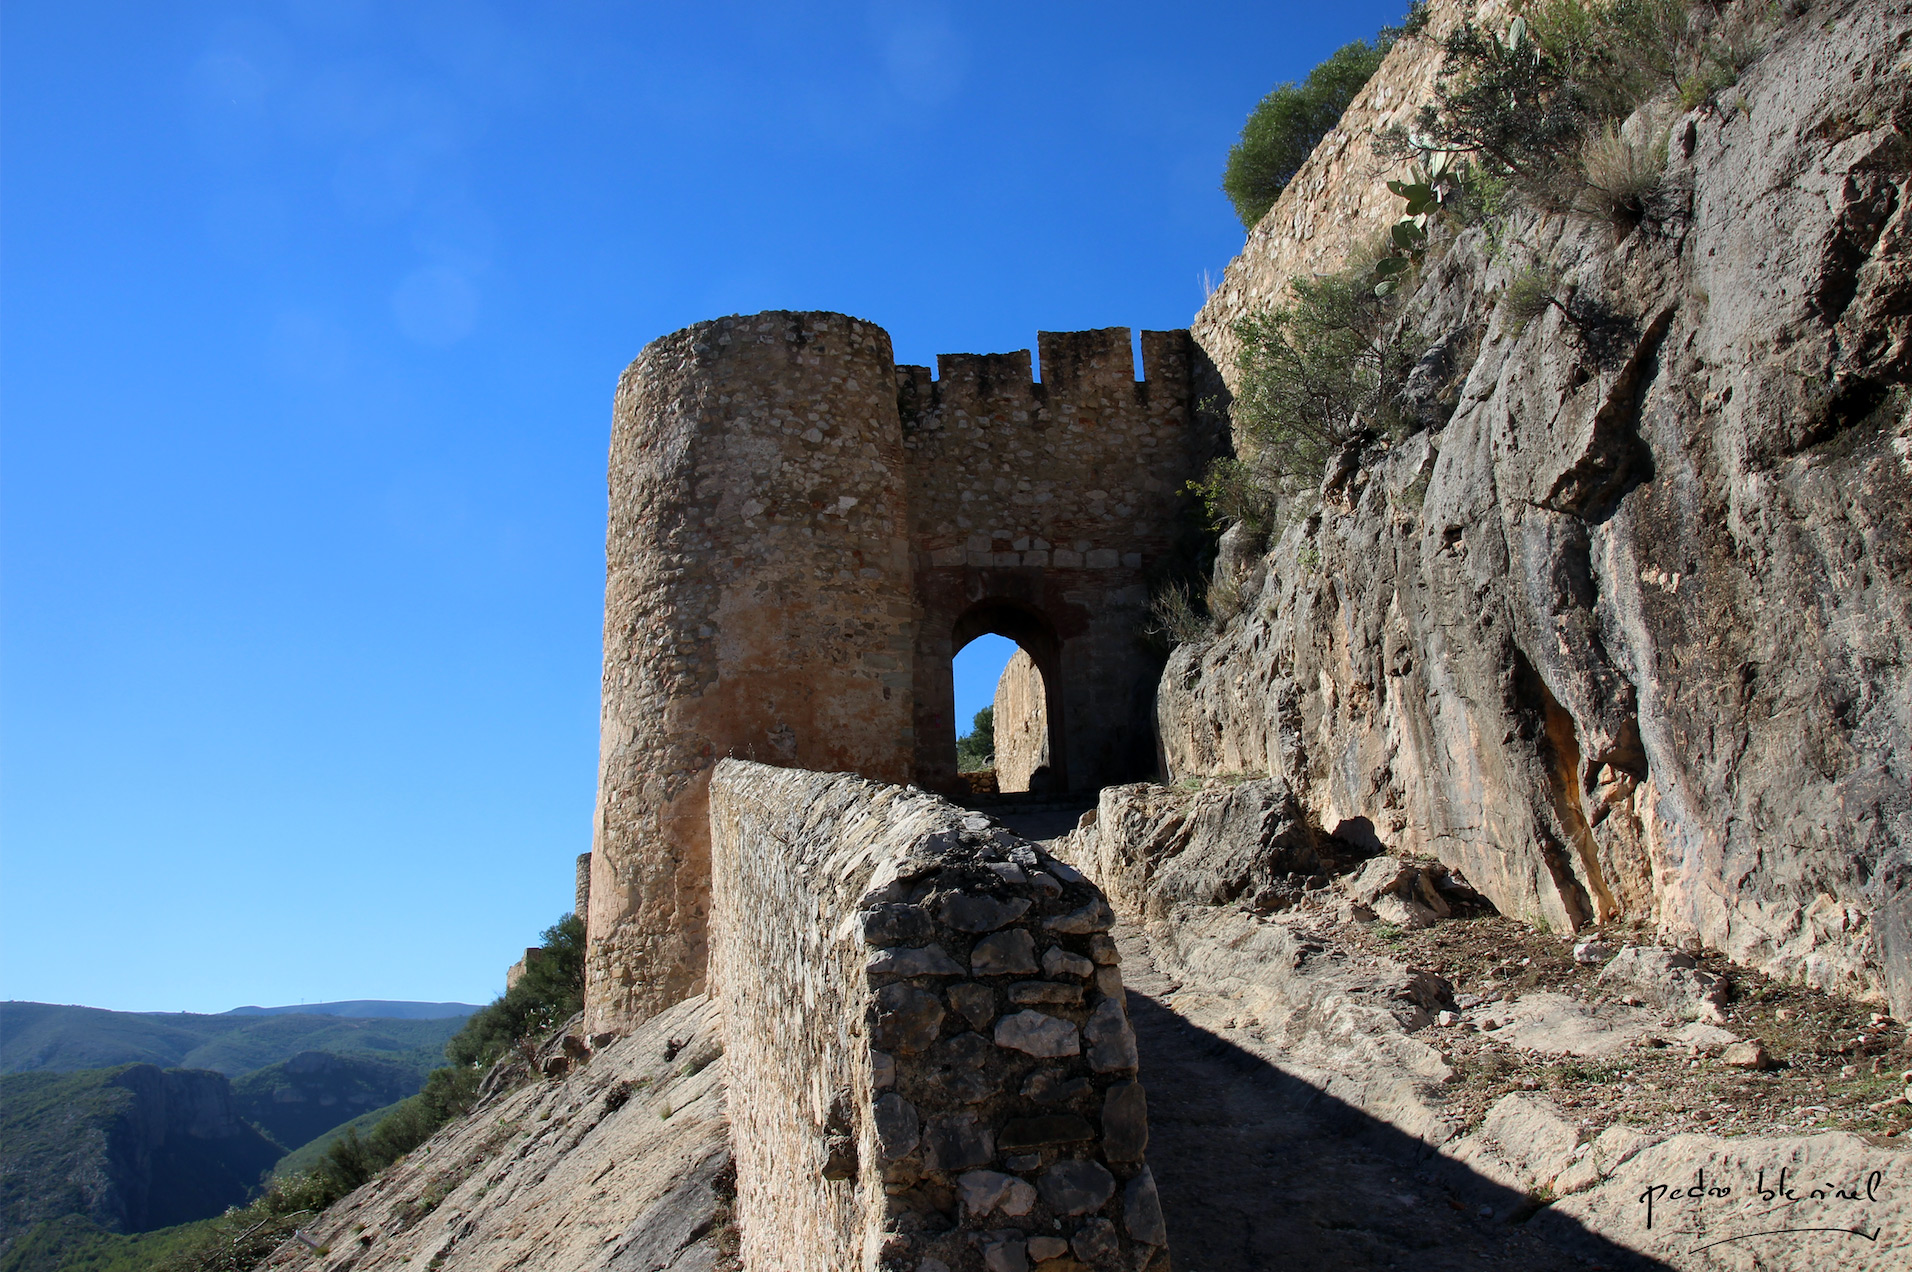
(1285, 128)
(976, 750)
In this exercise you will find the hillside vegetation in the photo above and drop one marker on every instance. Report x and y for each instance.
(298, 1100)
(128, 1148)
(549, 994)
(35, 1036)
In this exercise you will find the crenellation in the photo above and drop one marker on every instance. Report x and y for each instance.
(1087, 365)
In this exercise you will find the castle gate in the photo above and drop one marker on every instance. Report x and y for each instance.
(1042, 512)
(801, 536)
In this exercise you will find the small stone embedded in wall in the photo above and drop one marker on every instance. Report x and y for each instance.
(1011, 953)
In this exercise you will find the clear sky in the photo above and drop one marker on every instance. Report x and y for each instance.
(310, 314)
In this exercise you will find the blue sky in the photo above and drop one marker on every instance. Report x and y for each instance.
(310, 314)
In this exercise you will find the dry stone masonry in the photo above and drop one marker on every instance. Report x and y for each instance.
(801, 536)
(932, 1067)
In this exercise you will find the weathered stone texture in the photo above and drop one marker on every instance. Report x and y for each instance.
(620, 1163)
(1629, 635)
(803, 534)
(1190, 868)
(1338, 199)
(757, 604)
(1041, 511)
(1022, 724)
(878, 1123)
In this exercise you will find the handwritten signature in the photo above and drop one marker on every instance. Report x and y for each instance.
(1783, 1191)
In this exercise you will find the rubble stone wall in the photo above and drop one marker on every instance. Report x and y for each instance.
(1021, 724)
(1337, 202)
(931, 1065)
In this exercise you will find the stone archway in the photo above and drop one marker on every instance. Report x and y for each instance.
(1035, 636)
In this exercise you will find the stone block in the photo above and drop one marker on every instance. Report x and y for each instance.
(1040, 1035)
(1011, 953)
(1075, 1187)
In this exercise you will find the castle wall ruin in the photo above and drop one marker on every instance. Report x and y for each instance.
(927, 1040)
(802, 534)
(1021, 725)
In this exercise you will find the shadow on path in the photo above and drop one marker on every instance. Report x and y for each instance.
(1261, 1171)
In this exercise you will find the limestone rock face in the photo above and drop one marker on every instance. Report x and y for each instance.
(1022, 724)
(885, 1116)
(620, 1164)
(1629, 634)
(1154, 847)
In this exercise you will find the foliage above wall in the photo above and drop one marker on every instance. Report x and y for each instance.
(1288, 123)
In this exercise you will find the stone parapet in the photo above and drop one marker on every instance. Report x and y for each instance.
(932, 1065)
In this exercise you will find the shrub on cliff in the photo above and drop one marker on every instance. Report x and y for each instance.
(1288, 123)
(1535, 104)
(1318, 372)
(549, 993)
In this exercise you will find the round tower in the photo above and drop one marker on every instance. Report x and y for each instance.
(757, 604)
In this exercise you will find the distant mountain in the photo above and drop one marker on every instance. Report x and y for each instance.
(44, 1036)
(365, 1008)
(300, 1099)
(130, 1148)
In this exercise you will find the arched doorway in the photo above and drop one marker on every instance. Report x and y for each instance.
(1035, 637)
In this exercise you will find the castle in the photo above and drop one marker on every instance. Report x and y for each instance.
(802, 535)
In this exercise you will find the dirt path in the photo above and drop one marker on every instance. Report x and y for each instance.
(1259, 1172)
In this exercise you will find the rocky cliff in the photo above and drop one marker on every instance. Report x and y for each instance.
(1618, 633)
(616, 1161)
(131, 1149)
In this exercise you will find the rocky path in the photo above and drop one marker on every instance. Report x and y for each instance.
(1258, 1172)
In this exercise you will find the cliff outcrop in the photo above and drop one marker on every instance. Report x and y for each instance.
(131, 1149)
(618, 1163)
(1620, 633)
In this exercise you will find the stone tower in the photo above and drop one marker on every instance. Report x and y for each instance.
(757, 604)
(802, 534)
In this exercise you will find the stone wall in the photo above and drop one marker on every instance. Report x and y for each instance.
(1022, 725)
(931, 1063)
(1338, 201)
(1043, 512)
(757, 604)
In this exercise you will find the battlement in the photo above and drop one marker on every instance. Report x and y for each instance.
(1077, 367)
